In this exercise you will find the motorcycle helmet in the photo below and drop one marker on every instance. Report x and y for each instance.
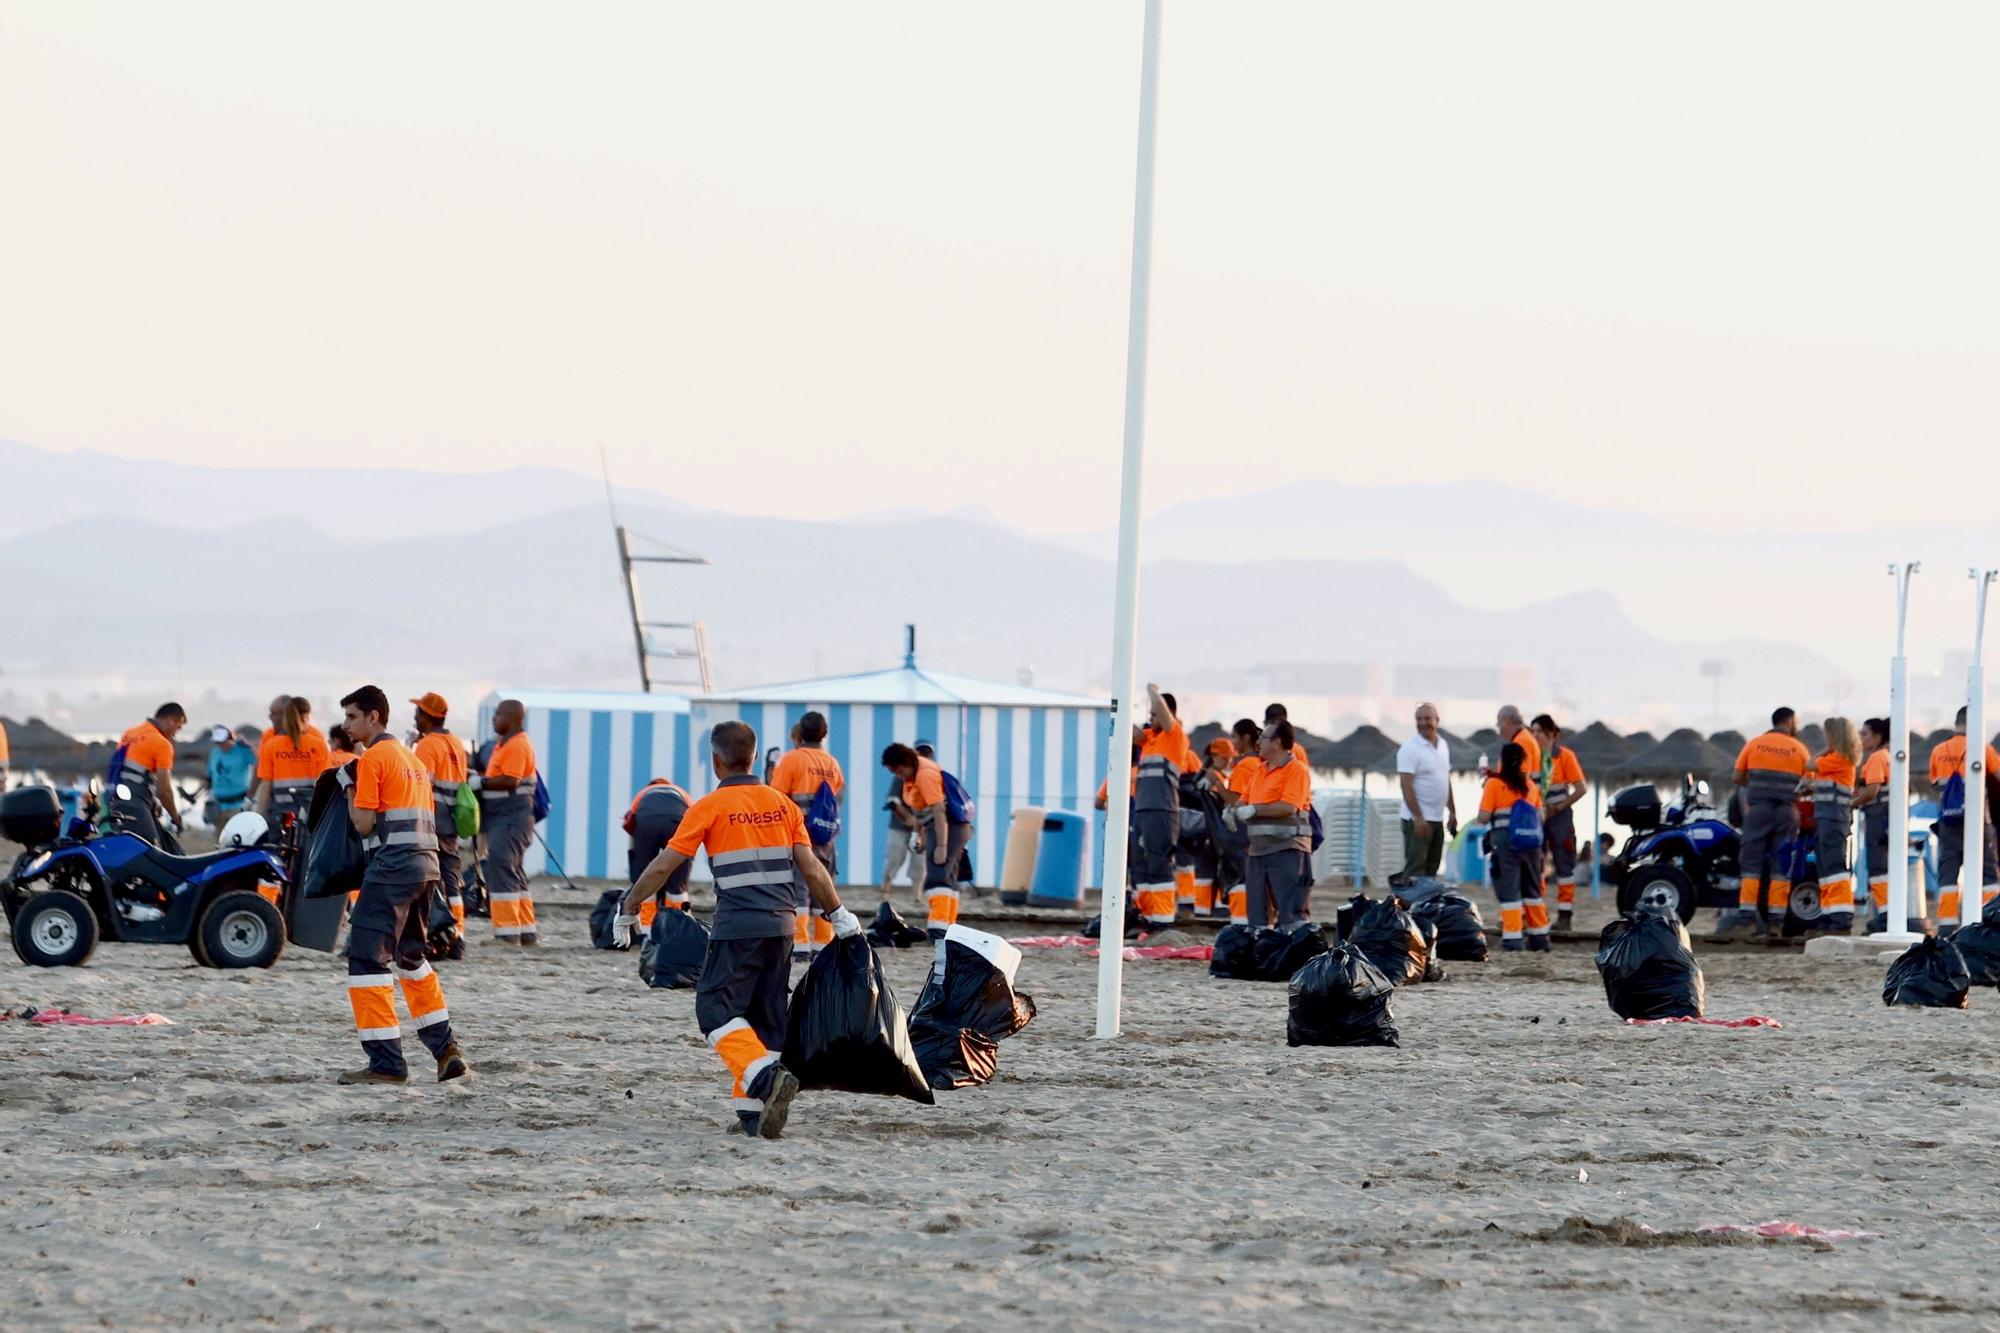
(246, 828)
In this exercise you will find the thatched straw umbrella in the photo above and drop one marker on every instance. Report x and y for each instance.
(1598, 748)
(1681, 753)
(1729, 742)
(1358, 752)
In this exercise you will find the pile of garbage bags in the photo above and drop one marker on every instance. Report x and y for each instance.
(1931, 974)
(1388, 936)
(967, 1008)
(846, 1031)
(1649, 969)
(1243, 954)
(1339, 998)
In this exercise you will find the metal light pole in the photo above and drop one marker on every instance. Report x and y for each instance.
(1897, 927)
(1972, 866)
(1125, 616)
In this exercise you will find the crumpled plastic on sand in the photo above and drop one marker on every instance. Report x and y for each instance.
(1775, 1230)
(1195, 952)
(1753, 1021)
(79, 1020)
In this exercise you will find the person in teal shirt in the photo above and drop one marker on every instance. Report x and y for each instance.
(231, 765)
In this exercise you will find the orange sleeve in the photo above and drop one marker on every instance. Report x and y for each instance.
(929, 788)
(1992, 760)
(783, 772)
(515, 759)
(693, 828)
(1495, 797)
(159, 752)
(1743, 757)
(367, 783)
(1568, 768)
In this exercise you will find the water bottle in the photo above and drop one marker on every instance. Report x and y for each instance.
(1485, 769)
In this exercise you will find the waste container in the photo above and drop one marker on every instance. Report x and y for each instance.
(1058, 880)
(1017, 862)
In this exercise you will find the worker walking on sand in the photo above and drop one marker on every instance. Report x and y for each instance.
(394, 810)
(1562, 785)
(1517, 871)
(944, 813)
(1156, 810)
(507, 819)
(444, 758)
(1770, 771)
(290, 759)
(651, 823)
(758, 847)
(802, 773)
(140, 788)
(1273, 814)
(1832, 781)
(1871, 800)
(1949, 776)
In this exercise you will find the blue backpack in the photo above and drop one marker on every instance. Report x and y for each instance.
(958, 806)
(823, 817)
(1951, 797)
(542, 802)
(1524, 827)
(1318, 828)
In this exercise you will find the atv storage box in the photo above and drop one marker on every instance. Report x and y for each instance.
(31, 816)
(1637, 808)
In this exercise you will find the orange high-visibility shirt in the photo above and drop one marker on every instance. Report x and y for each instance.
(1190, 761)
(1497, 799)
(513, 758)
(1948, 760)
(1532, 749)
(749, 831)
(657, 784)
(279, 760)
(403, 847)
(1566, 769)
(1245, 773)
(443, 757)
(927, 789)
(387, 778)
(147, 747)
(1299, 752)
(1875, 769)
(801, 771)
(1291, 784)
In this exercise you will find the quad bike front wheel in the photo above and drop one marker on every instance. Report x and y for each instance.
(55, 928)
(237, 930)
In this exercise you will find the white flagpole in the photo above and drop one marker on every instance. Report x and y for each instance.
(1972, 866)
(1125, 618)
(1896, 929)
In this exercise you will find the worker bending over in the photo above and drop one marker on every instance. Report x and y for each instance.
(758, 848)
(1770, 770)
(1273, 814)
(651, 822)
(141, 793)
(507, 819)
(945, 817)
(1562, 784)
(1832, 784)
(1156, 810)
(394, 810)
(800, 774)
(443, 757)
(1871, 791)
(1950, 776)
(1517, 872)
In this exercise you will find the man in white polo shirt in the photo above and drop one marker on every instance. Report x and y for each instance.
(1430, 814)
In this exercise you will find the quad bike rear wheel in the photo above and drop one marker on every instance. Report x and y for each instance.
(238, 929)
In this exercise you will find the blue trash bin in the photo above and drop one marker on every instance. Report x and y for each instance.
(1058, 880)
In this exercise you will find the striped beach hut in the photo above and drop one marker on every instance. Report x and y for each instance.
(1011, 745)
(596, 749)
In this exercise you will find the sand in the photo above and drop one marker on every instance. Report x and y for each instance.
(1500, 1165)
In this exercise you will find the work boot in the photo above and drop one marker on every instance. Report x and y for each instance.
(451, 1064)
(1563, 919)
(529, 940)
(1513, 946)
(777, 1103)
(354, 1076)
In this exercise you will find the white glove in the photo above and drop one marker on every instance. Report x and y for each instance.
(621, 930)
(844, 923)
(477, 780)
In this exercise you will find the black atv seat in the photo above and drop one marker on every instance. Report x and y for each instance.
(187, 867)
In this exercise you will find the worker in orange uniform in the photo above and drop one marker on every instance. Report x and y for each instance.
(1871, 792)
(1563, 785)
(1516, 872)
(1243, 774)
(1949, 776)
(1273, 813)
(290, 759)
(507, 818)
(3, 756)
(1770, 770)
(394, 810)
(652, 820)
(1156, 810)
(1832, 786)
(143, 767)
(444, 758)
(1205, 857)
(800, 774)
(757, 847)
(1279, 713)
(1508, 722)
(340, 747)
(944, 815)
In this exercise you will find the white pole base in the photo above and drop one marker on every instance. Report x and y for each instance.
(1903, 937)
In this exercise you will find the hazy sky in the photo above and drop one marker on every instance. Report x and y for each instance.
(1727, 263)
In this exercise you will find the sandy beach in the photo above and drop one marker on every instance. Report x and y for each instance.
(1501, 1164)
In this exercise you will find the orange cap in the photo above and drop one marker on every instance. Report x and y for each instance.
(1222, 747)
(432, 703)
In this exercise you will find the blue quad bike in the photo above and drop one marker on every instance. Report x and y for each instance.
(67, 891)
(1685, 856)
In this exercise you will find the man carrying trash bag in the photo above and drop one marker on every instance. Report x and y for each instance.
(758, 849)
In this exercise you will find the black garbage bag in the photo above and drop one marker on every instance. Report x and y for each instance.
(1388, 937)
(603, 916)
(954, 1057)
(1134, 923)
(1979, 945)
(1235, 956)
(440, 926)
(1339, 998)
(1433, 968)
(1280, 953)
(1461, 934)
(1349, 913)
(1649, 969)
(889, 931)
(334, 862)
(671, 955)
(1930, 974)
(846, 1031)
(975, 988)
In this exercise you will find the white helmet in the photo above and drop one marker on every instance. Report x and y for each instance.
(246, 828)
